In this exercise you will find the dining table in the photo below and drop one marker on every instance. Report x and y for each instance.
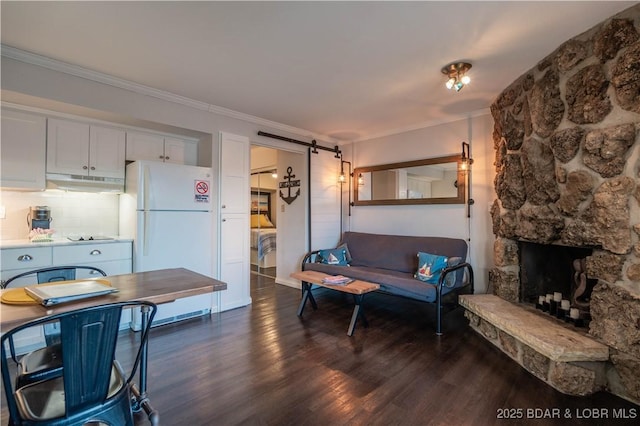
(158, 286)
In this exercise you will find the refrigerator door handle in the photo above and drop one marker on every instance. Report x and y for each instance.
(145, 188)
(145, 238)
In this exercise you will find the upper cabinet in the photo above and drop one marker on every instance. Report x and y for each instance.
(86, 150)
(148, 146)
(22, 164)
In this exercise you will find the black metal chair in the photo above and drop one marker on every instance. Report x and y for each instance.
(46, 362)
(92, 386)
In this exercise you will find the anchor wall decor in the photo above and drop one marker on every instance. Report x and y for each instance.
(289, 183)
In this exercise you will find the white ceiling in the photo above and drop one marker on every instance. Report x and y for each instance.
(347, 70)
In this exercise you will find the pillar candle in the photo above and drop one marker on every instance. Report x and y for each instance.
(541, 300)
(565, 304)
(549, 297)
(574, 313)
(557, 296)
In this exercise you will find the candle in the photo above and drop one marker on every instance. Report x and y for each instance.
(574, 313)
(565, 304)
(557, 296)
(549, 297)
(541, 300)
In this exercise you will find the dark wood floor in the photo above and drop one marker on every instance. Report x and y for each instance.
(262, 365)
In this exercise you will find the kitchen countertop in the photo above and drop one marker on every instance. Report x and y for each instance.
(57, 241)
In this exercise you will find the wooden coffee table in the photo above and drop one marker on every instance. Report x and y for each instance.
(357, 288)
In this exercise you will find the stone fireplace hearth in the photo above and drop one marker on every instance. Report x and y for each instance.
(567, 141)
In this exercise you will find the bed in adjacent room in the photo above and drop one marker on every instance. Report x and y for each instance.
(263, 241)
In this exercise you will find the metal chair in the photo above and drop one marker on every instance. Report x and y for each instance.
(46, 362)
(92, 386)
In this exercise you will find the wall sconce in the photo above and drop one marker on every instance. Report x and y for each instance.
(274, 174)
(457, 74)
(342, 178)
(360, 179)
(466, 160)
(465, 165)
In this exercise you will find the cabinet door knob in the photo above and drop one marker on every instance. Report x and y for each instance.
(224, 220)
(84, 167)
(161, 157)
(166, 158)
(25, 258)
(95, 252)
(93, 168)
(224, 206)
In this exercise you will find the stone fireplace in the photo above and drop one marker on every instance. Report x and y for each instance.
(567, 142)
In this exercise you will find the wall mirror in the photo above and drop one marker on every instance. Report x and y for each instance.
(430, 181)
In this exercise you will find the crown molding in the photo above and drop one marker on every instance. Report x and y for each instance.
(88, 74)
(424, 125)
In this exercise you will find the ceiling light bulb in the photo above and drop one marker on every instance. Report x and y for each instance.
(458, 86)
(465, 79)
(274, 175)
(450, 83)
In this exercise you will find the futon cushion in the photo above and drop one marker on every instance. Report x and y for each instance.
(392, 282)
(398, 252)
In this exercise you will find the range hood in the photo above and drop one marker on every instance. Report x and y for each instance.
(84, 183)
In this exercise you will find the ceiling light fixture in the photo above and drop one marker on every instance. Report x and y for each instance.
(457, 73)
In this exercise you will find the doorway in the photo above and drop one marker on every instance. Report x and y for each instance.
(264, 215)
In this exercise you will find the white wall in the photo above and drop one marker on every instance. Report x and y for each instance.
(436, 220)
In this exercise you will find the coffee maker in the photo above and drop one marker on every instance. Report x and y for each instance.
(39, 217)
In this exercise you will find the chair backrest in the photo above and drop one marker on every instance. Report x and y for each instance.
(54, 273)
(88, 338)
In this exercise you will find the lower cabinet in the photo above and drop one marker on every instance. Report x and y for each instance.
(113, 258)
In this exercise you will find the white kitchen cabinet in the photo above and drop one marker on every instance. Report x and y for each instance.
(85, 150)
(22, 164)
(112, 258)
(154, 147)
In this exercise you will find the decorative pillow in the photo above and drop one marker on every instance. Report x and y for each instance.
(261, 221)
(336, 256)
(430, 268)
(265, 222)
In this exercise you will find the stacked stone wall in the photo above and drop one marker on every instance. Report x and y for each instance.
(567, 143)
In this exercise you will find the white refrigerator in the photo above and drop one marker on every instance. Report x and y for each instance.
(167, 211)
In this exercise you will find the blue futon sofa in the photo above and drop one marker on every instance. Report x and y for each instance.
(392, 261)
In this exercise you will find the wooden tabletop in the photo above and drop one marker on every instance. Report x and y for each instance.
(161, 286)
(355, 287)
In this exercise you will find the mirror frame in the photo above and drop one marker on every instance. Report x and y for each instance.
(459, 199)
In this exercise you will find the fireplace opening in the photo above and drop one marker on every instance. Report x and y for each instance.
(547, 269)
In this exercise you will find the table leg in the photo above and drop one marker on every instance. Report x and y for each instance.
(358, 312)
(141, 400)
(306, 295)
